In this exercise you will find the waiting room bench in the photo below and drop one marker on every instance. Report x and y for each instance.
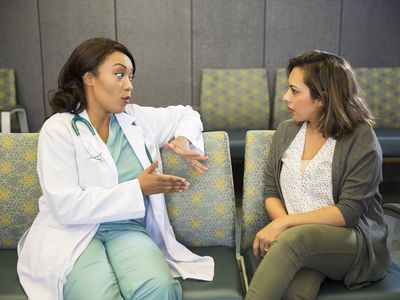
(254, 217)
(203, 217)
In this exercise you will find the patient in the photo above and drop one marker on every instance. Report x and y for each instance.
(322, 192)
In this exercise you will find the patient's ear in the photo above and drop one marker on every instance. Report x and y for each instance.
(88, 78)
(319, 103)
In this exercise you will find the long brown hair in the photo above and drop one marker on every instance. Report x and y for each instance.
(70, 94)
(331, 80)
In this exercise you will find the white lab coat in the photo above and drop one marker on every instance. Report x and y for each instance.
(80, 192)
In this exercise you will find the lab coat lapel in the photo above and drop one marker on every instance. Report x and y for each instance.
(134, 135)
(96, 142)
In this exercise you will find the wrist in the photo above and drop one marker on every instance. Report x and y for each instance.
(286, 221)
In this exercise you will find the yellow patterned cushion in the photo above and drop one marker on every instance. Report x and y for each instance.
(7, 88)
(381, 88)
(280, 108)
(234, 99)
(254, 217)
(7, 95)
(203, 215)
(19, 186)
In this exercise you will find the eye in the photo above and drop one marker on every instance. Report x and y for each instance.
(294, 91)
(131, 77)
(120, 75)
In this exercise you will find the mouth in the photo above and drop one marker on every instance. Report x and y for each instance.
(290, 110)
(126, 99)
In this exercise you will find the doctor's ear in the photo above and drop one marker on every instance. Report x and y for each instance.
(88, 78)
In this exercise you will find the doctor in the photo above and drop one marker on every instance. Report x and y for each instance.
(102, 231)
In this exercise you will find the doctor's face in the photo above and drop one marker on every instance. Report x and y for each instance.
(300, 104)
(109, 90)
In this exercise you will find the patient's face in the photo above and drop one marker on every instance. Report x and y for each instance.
(300, 104)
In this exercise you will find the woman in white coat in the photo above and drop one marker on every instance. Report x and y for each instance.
(102, 231)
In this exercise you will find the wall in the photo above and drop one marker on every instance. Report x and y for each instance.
(173, 40)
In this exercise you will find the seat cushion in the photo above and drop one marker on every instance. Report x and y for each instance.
(227, 283)
(10, 288)
(388, 288)
(237, 140)
(389, 139)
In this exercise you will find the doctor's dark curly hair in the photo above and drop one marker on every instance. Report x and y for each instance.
(70, 94)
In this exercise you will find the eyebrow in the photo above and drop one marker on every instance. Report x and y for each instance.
(122, 65)
(293, 86)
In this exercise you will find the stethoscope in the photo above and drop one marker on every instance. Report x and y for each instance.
(90, 150)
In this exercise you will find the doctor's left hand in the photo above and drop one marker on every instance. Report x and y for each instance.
(181, 146)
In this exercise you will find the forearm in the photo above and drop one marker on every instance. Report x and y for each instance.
(330, 215)
(274, 207)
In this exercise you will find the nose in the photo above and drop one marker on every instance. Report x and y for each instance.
(128, 84)
(286, 97)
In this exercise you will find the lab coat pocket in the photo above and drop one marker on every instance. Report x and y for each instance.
(92, 168)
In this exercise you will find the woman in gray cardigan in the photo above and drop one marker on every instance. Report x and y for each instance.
(322, 192)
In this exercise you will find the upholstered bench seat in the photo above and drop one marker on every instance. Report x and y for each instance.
(227, 279)
(203, 217)
(225, 286)
(387, 288)
(10, 288)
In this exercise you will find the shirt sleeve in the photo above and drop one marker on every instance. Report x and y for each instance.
(272, 169)
(172, 121)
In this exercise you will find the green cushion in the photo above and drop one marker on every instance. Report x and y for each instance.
(227, 283)
(10, 288)
(381, 90)
(234, 99)
(387, 288)
(204, 214)
(8, 97)
(19, 186)
(258, 144)
(280, 112)
(7, 88)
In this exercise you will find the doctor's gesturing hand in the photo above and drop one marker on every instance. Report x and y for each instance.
(152, 182)
(181, 146)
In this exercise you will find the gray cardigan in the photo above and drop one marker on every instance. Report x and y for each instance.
(356, 175)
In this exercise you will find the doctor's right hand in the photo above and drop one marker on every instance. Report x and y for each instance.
(152, 182)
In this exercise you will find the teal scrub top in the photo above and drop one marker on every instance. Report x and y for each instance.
(129, 167)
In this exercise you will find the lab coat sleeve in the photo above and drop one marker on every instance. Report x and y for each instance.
(67, 200)
(172, 121)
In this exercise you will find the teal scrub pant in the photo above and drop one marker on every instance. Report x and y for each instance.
(300, 259)
(121, 264)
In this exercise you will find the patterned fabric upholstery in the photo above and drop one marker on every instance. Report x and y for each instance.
(203, 215)
(381, 89)
(7, 88)
(254, 217)
(234, 99)
(280, 108)
(19, 186)
(7, 94)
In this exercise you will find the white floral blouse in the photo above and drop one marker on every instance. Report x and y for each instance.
(307, 185)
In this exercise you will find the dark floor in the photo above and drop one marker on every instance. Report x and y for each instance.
(389, 188)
